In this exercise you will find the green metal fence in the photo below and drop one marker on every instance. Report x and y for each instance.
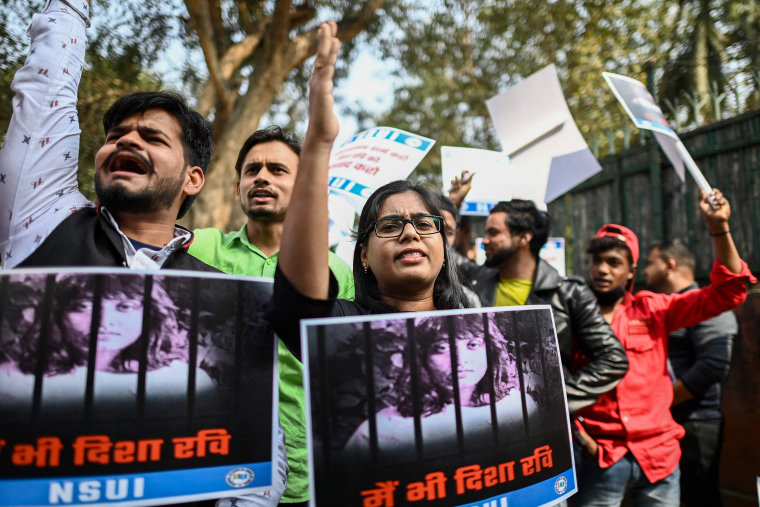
(640, 189)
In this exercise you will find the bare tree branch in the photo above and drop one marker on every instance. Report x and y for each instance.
(202, 24)
(280, 23)
(246, 21)
(232, 60)
(305, 45)
(220, 34)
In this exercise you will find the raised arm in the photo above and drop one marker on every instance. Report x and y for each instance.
(460, 187)
(717, 223)
(304, 247)
(38, 162)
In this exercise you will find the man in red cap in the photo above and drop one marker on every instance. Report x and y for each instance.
(628, 440)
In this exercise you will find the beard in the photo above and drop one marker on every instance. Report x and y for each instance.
(265, 215)
(260, 214)
(147, 200)
(501, 255)
(607, 298)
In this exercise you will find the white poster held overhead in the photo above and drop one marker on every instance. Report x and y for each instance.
(491, 181)
(645, 114)
(364, 162)
(370, 159)
(536, 129)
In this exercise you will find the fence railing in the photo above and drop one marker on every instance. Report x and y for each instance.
(640, 189)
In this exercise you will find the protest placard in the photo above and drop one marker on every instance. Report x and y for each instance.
(368, 160)
(134, 388)
(641, 108)
(492, 179)
(536, 129)
(553, 252)
(463, 407)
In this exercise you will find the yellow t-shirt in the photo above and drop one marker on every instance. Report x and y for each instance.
(512, 291)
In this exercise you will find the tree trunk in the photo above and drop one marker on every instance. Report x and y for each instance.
(268, 43)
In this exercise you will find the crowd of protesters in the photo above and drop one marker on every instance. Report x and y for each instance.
(628, 404)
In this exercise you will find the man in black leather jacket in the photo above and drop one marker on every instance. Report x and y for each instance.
(592, 357)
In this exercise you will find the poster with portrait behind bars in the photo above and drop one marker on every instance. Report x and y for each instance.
(134, 388)
(459, 407)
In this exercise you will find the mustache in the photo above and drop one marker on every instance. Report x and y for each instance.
(132, 152)
(256, 189)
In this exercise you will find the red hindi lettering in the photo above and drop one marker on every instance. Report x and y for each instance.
(382, 496)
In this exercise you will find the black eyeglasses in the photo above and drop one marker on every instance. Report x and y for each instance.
(394, 227)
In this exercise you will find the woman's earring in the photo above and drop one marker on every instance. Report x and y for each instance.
(444, 264)
(365, 269)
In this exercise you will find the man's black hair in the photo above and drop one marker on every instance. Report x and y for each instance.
(448, 205)
(605, 243)
(267, 135)
(678, 251)
(522, 215)
(197, 139)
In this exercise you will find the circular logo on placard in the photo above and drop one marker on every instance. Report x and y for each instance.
(241, 477)
(560, 485)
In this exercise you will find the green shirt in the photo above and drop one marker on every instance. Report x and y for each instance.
(234, 254)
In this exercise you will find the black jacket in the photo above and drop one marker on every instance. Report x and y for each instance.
(86, 238)
(580, 327)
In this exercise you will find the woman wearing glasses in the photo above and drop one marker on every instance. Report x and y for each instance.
(400, 260)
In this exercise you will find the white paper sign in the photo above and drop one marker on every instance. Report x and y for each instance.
(536, 129)
(491, 182)
(364, 162)
(370, 159)
(553, 252)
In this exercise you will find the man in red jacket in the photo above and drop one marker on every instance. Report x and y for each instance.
(628, 439)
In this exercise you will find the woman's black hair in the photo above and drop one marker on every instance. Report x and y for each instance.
(447, 291)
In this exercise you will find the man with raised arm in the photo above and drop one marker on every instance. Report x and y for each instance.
(699, 357)
(147, 174)
(266, 171)
(628, 439)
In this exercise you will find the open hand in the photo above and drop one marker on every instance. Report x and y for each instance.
(323, 124)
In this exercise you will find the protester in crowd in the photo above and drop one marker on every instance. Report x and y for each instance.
(463, 242)
(514, 274)
(147, 173)
(450, 226)
(629, 439)
(400, 260)
(699, 356)
(266, 168)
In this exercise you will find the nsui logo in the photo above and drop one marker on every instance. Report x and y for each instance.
(239, 477)
(560, 485)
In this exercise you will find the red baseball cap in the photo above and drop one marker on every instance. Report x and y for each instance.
(625, 235)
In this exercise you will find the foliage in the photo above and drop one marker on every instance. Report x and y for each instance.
(459, 53)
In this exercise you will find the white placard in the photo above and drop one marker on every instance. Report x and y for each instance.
(370, 159)
(536, 129)
(553, 252)
(491, 181)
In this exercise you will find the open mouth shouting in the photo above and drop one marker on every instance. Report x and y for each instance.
(411, 256)
(261, 195)
(125, 161)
